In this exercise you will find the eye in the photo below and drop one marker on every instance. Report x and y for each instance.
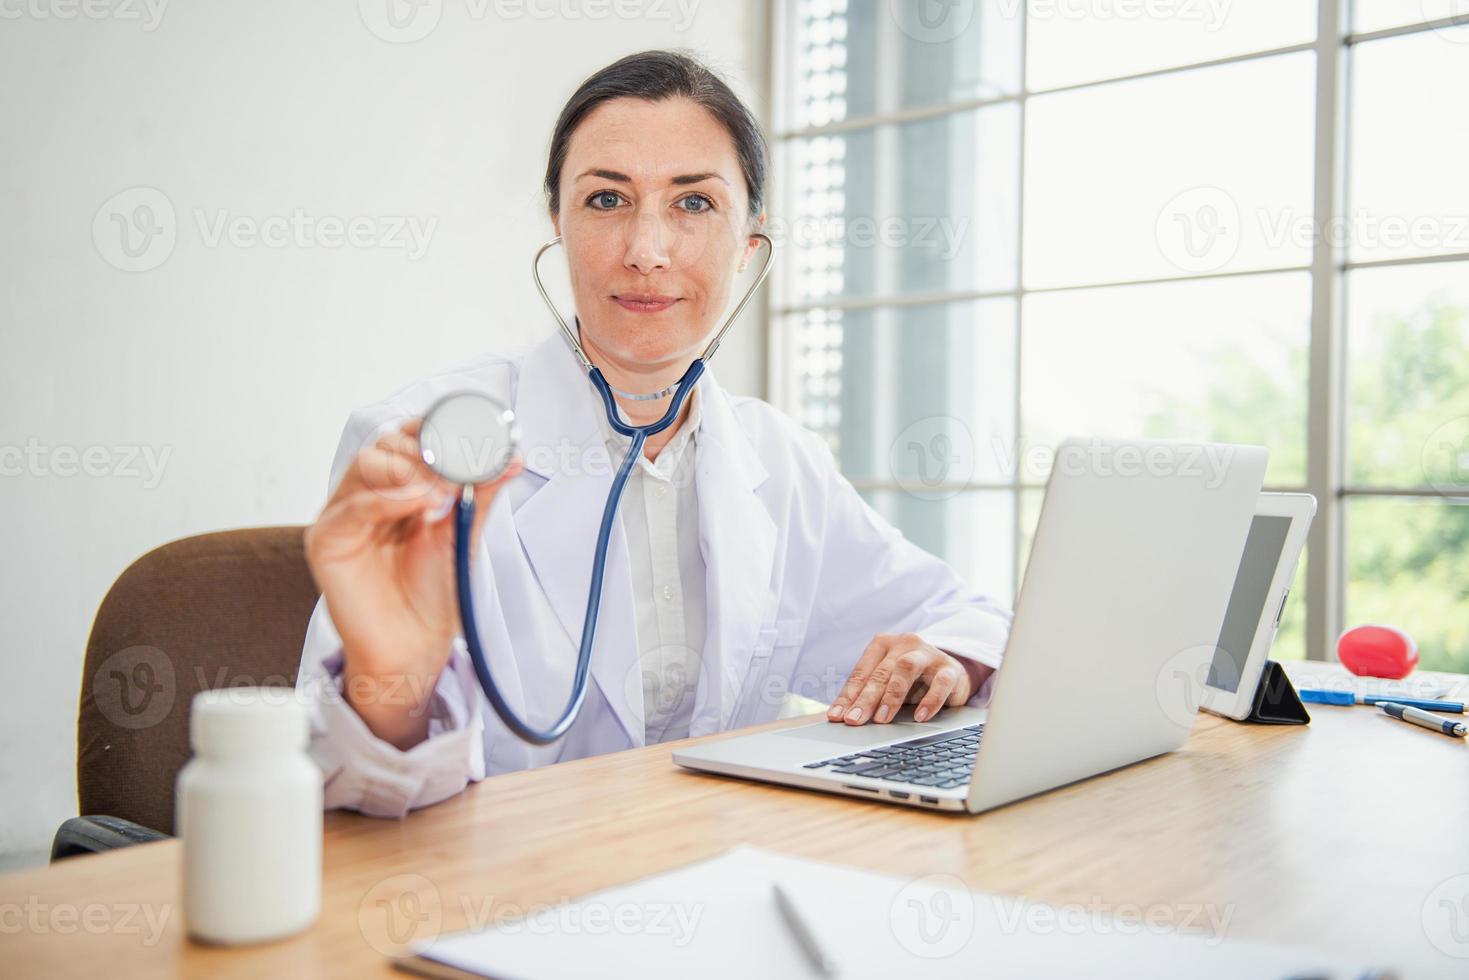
(695, 204)
(604, 200)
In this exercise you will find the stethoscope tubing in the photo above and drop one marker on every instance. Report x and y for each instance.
(464, 525)
(638, 434)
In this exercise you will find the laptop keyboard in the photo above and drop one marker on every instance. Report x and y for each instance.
(942, 761)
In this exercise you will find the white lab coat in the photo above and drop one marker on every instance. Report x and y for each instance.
(802, 574)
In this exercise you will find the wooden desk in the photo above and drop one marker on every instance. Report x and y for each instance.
(1348, 834)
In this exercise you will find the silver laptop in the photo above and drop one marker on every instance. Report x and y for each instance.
(1115, 626)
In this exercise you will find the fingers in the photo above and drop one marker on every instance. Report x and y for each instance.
(894, 670)
(900, 660)
(909, 664)
(390, 466)
(943, 684)
(392, 469)
(350, 520)
(870, 658)
(404, 444)
(388, 492)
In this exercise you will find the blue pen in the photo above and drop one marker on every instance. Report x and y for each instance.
(1423, 719)
(1348, 697)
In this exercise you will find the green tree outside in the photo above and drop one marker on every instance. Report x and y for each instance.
(1407, 558)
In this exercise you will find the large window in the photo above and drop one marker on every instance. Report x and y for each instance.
(1005, 222)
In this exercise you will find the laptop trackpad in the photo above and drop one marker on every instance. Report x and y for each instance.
(859, 735)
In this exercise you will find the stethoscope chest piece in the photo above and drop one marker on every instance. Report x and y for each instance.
(468, 437)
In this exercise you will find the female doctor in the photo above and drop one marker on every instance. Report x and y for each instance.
(743, 567)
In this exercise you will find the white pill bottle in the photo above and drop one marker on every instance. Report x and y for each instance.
(248, 808)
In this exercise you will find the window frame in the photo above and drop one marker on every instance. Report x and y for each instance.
(1329, 270)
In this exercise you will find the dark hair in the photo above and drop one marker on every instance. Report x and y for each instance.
(655, 76)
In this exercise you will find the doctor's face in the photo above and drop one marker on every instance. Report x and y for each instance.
(655, 219)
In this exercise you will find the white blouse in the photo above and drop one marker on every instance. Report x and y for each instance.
(660, 516)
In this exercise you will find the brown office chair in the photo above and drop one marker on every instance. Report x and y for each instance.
(217, 610)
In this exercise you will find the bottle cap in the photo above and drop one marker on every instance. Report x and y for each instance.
(247, 720)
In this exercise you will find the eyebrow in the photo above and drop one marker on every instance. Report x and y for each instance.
(622, 178)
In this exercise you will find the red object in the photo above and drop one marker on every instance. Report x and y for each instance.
(1377, 651)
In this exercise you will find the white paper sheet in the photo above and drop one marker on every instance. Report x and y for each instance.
(718, 918)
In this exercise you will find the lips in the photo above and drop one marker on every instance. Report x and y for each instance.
(644, 302)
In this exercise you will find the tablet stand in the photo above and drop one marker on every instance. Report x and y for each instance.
(1276, 701)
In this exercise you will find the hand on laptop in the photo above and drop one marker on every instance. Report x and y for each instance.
(900, 668)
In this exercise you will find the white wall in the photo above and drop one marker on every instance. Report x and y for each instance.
(235, 365)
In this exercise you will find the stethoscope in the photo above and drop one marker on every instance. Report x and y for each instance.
(468, 437)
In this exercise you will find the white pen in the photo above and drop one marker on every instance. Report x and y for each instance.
(1424, 719)
(801, 928)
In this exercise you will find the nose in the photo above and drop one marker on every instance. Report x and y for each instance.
(647, 245)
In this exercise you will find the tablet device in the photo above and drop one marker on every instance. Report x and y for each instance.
(1266, 569)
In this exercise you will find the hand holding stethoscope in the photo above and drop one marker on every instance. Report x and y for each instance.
(382, 553)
